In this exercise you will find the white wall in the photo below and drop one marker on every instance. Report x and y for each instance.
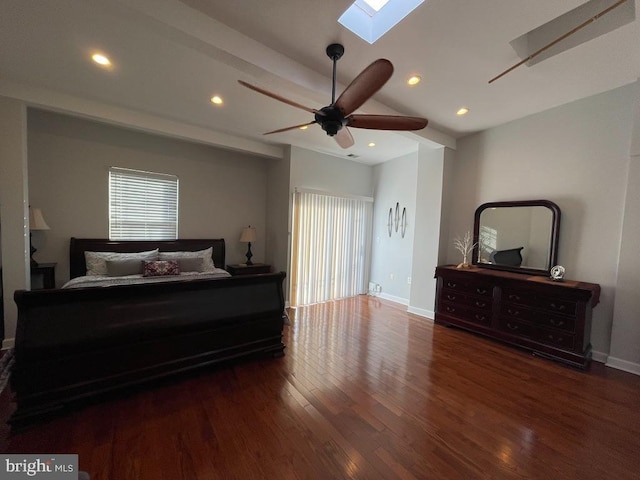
(220, 191)
(625, 334)
(392, 256)
(576, 155)
(428, 225)
(278, 235)
(331, 174)
(14, 209)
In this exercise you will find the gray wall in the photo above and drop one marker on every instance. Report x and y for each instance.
(391, 264)
(415, 181)
(576, 155)
(220, 191)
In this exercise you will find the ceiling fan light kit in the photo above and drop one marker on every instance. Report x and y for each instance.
(336, 117)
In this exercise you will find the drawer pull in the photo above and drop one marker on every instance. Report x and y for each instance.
(558, 307)
(450, 309)
(556, 323)
(554, 339)
(451, 284)
(513, 312)
(451, 297)
(481, 304)
(481, 291)
(513, 296)
(512, 327)
(480, 318)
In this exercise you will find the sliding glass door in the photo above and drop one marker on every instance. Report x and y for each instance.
(331, 245)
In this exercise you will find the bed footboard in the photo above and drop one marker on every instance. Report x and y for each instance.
(74, 344)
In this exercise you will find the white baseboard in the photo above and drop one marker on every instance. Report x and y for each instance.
(393, 298)
(8, 343)
(599, 357)
(422, 312)
(623, 365)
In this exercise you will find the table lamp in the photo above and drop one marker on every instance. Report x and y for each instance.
(248, 235)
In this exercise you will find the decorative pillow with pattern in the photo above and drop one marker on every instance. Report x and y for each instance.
(97, 261)
(160, 268)
(205, 255)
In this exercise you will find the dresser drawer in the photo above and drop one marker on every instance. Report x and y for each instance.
(517, 327)
(465, 312)
(453, 296)
(555, 338)
(465, 286)
(537, 300)
(539, 317)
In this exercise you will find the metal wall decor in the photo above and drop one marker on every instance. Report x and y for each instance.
(396, 220)
(397, 216)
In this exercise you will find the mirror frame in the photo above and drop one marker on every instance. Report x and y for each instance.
(553, 242)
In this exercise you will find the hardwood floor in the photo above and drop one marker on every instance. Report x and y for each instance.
(365, 391)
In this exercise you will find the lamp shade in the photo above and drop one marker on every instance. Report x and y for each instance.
(36, 220)
(248, 235)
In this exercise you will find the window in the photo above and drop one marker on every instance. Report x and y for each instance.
(142, 205)
(330, 247)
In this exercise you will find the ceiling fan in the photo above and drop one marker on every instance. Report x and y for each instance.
(335, 118)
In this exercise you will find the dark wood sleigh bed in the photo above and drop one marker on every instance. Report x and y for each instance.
(76, 344)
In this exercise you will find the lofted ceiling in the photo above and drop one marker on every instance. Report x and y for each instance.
(170, 57)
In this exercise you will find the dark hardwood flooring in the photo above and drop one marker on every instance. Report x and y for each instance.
(365, 391)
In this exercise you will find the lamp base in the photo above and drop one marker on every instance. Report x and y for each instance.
(249, 255)
(33, 250)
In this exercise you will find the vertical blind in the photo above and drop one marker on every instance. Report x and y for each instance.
(330, 247)
(142, 205)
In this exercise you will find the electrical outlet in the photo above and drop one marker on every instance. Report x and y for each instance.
(408, 280)
(378, 287)
(392, 276)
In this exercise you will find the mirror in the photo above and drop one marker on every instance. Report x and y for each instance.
(520, 236)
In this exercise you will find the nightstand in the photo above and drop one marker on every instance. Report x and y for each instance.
(243, 269)
(43, 276)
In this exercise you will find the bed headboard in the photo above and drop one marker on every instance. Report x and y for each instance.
(77, 247)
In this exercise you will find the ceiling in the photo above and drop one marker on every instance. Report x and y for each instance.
(169, 57)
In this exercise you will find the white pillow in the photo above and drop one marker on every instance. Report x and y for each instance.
(97, 261)
(207, 261)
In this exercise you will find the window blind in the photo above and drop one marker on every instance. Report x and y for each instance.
(330, 247)
(142, 205)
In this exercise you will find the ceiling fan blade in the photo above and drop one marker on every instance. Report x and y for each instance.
(387, 122)
(277, 97)
(344, 138)
(290, 128)
(370, 80)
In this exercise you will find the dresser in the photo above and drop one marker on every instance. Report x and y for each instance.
(551, 319)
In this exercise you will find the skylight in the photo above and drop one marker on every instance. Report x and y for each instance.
(371, 19)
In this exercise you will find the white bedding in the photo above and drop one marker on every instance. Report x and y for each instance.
(107, 281)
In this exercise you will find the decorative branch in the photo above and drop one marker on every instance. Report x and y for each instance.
(465, 247)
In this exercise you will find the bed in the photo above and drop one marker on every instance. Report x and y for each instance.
(74, 344)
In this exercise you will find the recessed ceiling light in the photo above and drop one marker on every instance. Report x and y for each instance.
(304, 127)
(372, 144)
(101, 59)
(414, 80)
(216, 99)
(462, 111)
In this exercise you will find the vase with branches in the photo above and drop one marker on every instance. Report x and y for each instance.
(465, 246)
